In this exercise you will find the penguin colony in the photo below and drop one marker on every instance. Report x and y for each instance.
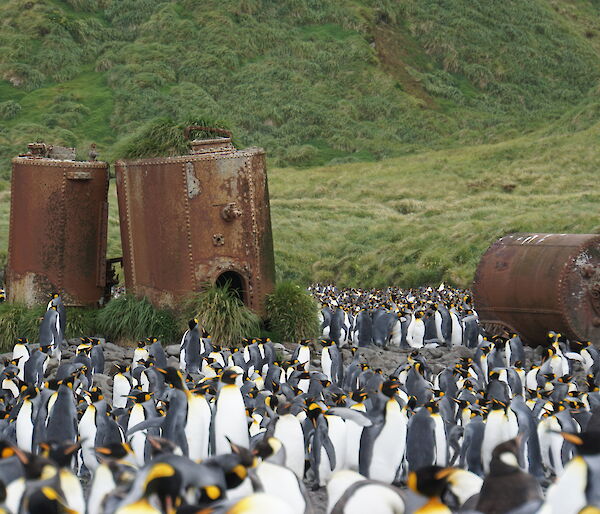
(245, 431)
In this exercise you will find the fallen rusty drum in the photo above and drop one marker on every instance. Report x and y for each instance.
(533, 283)
(58, 224)
(197, 219)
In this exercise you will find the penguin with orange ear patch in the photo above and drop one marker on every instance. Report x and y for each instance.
(579, 484)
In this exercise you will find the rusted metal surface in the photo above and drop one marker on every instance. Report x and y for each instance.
(58, 230)
(533, 283)
(187, 220)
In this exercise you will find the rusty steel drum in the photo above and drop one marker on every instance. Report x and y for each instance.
(533, 283)
(58, 230)
(194, 220)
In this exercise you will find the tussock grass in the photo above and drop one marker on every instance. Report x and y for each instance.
(313, 82)
(129, 319)
(161, 137)
(223, 315)
(17, 321)
(292, 313)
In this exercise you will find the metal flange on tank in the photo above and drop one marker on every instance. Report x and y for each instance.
(533, 283)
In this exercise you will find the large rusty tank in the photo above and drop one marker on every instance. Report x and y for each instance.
(58, 224)
(533, 283)
(197, 219)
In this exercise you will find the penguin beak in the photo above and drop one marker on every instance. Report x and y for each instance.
(572, 438)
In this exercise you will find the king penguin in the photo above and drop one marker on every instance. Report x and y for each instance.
(229, 416)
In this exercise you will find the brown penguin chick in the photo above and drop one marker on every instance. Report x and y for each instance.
(507, 486)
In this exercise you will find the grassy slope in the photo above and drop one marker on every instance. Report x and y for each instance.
(428, 217)
(474, 96)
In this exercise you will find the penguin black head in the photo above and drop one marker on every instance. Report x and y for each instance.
(313, 412)
(164, 481)
(172, 377)
(505, 458)
(267, 446)
(140, 396)
(46, 500)
(390, 387)
(30, 392)
(141, 344)
(94, 394)
(229, 376)
(68, 381)
(60, 453)
(114, 451)
(429, 481)
(586, 443)
(208, 494)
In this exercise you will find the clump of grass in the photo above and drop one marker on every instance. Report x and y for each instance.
(161, 137)
(17, 320)
(81, 322)
(9, 109)
(292, 313)
(129, 318)
(223, 315)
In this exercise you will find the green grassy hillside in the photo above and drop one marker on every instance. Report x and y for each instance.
(404, 136)
(314, 82)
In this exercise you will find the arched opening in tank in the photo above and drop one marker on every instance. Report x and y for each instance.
(236, 284)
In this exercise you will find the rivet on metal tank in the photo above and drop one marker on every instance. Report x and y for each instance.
(533, 283)
(197, 219)
(58, 225)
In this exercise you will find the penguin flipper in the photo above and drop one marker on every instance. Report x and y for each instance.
(149, 423)
(360, 418)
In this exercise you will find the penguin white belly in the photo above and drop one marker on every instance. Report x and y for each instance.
(289, 431)
(396, 336)
(144, 382)
(14, 493)
(71, 487)
(102, 484)
(304, 357)
(137, 441)
(25, 426)
(20, 352)
(182, 361)
(87, 434)
(531, 379)
(338, 485)
(374, 498)
(493, 435)
(588, 362)
(441, 444)
(337, 435)
(353, 435)
(415, 334)
(326, 363)
(282, 483)
(457, 330)
(567, 494)
(51, 402)
(389, 447)
(138, 355)
(303, 385)
(438, 326)
(121, 388)
(197, 427)
(230, 420)
(11, 386)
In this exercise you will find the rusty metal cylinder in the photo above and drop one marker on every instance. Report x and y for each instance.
(58, 224)
(197, 219)
(533, 283)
